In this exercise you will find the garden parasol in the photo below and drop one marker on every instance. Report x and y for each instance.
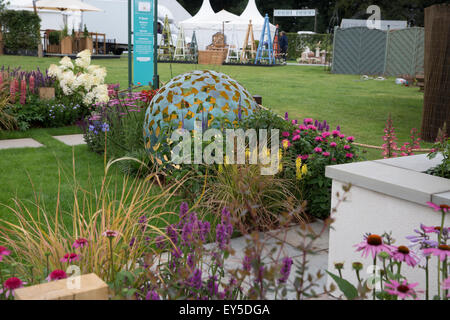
(64, 5)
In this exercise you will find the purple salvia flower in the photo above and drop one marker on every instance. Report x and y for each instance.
(184, 208)
(152, 295)
(286, 116)
(285, 269)
(247, 263)
(195, 281)
(213, 286)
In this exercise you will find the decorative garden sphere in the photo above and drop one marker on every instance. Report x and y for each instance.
(201, 95)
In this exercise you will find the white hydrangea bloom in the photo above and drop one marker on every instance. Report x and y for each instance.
(83, 62)
(54, 71)
(88, 98)
(84, 54)
(101, 73)
(91, 69)
(66, 63)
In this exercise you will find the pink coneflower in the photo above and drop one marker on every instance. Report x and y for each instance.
(319, 138)
(10, 285)
(446, 285)
(403, 254)
(402, 290)
(433, 229)
(296, 132)
(333, 159)
(286, 134)
(442, 251)
(110, 234)
(69, 257)
(347, 147)
(311, 127)
(308, 120)
(326, 154)
(372, 244)
(326, 134)
(4, 252)
(318, 150)
(350, 139)
(304, 157)
(302, 127)
(56, 275)
(436, 207)
(296, 137)
(333, 144)
(342, 136)
(80, 243)
(349, 155)
(335, 133)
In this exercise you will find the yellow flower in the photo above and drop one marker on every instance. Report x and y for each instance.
(220, 168)
(247, 154)
(298, 165)
(280, 158)
(304, 169)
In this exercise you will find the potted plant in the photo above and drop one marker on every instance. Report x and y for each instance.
(86, 41)
(66, 41)
(54, 40)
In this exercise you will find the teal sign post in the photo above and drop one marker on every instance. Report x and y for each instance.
(145, 43)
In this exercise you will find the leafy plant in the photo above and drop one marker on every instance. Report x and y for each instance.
(21, 29)
(7, 121)
(112, 220)
(441, 146)
(54, 37)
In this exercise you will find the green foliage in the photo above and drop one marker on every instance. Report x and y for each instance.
(54, 37)
(441, 146)
(21, 29)
(346, 287)
(38, 113)
(7, 121)
(85, 32)
(265, 119)
(299, 42)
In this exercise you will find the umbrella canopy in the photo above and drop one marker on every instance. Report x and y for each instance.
(65, 5)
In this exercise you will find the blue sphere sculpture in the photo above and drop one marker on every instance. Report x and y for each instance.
(201, 95)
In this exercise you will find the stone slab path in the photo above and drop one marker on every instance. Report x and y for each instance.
(19, 143)
(71, 139)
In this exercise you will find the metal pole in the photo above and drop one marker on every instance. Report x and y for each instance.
(155, 47)
(130, 55)
(315, 20)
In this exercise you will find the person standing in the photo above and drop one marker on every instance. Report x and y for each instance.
(283, 42)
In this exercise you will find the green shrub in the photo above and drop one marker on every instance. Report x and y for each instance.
(298, 43)
(54, 37)
(21, 29)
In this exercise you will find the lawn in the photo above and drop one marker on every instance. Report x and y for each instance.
(360, 107)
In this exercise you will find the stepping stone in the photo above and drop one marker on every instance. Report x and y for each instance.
(71, 139)
(19, 143)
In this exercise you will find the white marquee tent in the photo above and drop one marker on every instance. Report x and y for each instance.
(206, 23)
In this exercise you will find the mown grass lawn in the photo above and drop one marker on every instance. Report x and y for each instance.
(359, 107)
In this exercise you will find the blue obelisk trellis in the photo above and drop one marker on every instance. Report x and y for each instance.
(263, 52)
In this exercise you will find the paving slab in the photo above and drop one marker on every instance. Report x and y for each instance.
(397, 182)
(19, 143)
(293, 236)
(441, 198)
(418, 163)
(71, 139)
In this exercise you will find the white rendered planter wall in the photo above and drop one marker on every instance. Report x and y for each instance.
(386, 195)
